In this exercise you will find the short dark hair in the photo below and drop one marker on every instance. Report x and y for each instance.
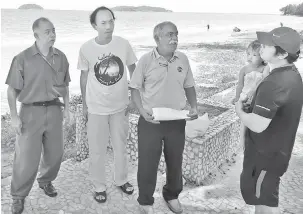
(37, 22)
(291, 58)
(92, 17)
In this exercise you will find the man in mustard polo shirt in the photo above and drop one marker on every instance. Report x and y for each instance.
(37, 77)
(272, 121)
(164, 79)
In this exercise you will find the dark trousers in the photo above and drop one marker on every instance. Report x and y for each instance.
(150, 138)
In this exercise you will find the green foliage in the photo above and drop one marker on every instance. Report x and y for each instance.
(31, 6)
(293, 9)
(75, 100)
(7, 133)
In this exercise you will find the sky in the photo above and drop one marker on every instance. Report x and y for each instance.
(205, 6)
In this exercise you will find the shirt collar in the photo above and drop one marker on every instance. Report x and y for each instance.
(283, 68)
(35, 50)
(156, 54)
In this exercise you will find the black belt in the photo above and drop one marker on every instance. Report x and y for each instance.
(47, 103)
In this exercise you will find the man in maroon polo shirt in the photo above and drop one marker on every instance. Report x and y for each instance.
(272, 120)
(37, 77)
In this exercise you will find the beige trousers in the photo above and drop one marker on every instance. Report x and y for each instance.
(99, 129)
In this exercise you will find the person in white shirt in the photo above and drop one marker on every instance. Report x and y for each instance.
(104, 88)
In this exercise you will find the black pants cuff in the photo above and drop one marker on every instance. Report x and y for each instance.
(145, 202)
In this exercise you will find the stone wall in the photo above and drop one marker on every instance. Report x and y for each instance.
(81, 135)
(201, 156)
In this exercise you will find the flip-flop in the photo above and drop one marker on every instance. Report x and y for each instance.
(97, 194)
(125, 186)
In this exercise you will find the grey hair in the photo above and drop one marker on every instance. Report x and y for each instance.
(37, 22)
(159, 27)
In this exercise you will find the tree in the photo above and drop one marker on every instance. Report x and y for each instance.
(299, 11)
(293, 9)
(30, 6)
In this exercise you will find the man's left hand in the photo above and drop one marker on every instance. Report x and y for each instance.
(66, 115)
(193, 114)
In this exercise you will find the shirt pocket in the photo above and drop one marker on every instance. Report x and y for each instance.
(59, 78)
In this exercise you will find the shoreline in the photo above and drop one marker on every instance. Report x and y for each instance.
(197, 54)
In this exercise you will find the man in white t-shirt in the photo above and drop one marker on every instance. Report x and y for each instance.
(104, 88)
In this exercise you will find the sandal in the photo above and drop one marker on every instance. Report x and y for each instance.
(125, 188)
(97, 194)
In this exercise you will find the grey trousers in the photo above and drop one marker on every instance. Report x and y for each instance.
(41, 132)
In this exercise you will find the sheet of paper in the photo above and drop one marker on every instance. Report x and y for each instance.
(198, 127)
(161, 114)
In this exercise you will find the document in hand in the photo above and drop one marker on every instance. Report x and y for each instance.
(198, 127)
(169, 114)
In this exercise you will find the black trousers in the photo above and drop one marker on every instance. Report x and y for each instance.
(259, 182)
(150, 138)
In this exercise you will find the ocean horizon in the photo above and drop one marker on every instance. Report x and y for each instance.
(73, 29)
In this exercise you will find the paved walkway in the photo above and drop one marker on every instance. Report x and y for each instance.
(219, 195)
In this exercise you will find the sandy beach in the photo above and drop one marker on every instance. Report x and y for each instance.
(215, 64)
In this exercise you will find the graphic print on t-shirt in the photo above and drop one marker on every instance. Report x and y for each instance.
(109, 69)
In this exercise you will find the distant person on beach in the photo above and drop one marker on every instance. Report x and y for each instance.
(281, 24)
(38, 76)
(104, 88)
(250, 76)
(272, 120)
(208, 27)
(162, 78)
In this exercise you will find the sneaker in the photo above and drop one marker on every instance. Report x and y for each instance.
(17, 206)
(49, 190)
(175, 206)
